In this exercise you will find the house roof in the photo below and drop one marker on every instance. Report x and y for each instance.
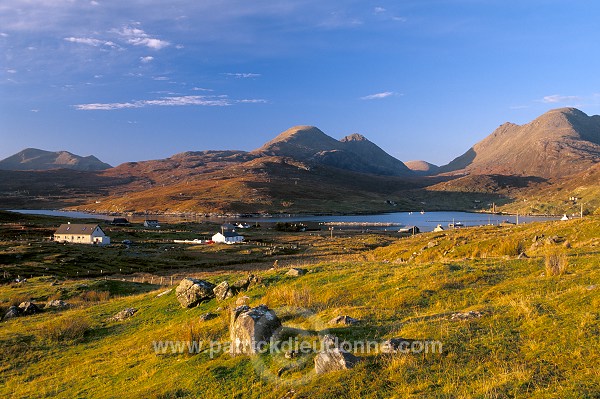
(230, 234)
(81, 229)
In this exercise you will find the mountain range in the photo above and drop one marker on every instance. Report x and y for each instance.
(304, 170)
(34, 159)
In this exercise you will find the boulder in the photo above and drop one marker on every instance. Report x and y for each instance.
(28, 308)
(332, 358)
(124, 314)
(190, 292)
(222, 291)
(242, 284)
(345, 320)
(251, 329)
(241, 301)
(296, 272)
(13, 311)
(57, 304)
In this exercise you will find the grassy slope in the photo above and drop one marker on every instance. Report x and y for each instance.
(539, 335)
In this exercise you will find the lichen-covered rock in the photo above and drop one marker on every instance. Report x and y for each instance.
(124, 314)
(251, 329)
(190, 292)
(332, 357)
(222, 291)
(56, 304)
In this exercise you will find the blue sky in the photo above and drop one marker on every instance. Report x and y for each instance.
(424, 79)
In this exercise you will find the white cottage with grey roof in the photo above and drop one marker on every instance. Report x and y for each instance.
(81, 234)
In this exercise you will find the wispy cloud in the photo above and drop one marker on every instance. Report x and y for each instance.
(557, 98)
(90, 41)
(243, 75)
(378, 96)
(146, 59)
(138, 37)
(175, 101)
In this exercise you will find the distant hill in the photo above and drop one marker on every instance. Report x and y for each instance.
(559, 143)
(354, 152)
(34, 159)
(422, 167)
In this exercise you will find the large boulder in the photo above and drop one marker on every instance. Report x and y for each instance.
(190, 292)
(251, 329)
(296, 272)
(332, 357)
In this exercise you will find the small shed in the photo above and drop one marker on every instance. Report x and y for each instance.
(228, 237)
(81, 234)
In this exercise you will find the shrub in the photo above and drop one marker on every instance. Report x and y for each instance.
(72, 328)
(511, 248)
(556, 263)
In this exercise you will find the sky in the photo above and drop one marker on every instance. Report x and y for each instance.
(423, 79)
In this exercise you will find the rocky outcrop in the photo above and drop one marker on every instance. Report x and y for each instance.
(251, 329)
(222, 291)
(28, 308)
(13, 311)
(57, 304)
(345, 320)
(332, 357)
(191, 292)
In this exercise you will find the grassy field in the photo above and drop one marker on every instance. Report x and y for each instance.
(534, 330)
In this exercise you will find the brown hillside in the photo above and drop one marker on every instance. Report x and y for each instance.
(559, 143)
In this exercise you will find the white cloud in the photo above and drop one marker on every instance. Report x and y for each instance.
(138, 37)
(147, 59)
(378, 96)
(90, 41)
(174, 101)
(2, 34)
(379, 10)
(201, 89)
(160, 78)
(244, 75)
(557, 98)
(11, 71)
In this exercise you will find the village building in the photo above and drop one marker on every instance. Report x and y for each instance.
(81, 234)
(228, 237)
(153, 224)
(410, 230)
(120, 222)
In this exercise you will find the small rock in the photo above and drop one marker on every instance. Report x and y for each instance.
(291, 354)
(296, 272)
(466, 315)
(222, 291)
(432, 244)
(57, 303)
(124, 314)
(164, 293)
(28, 308)
(190, 292)
(242, 284)
(207, 316)
(346, 320)
(13, 311)
(396, 345)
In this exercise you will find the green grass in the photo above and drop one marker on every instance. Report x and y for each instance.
(538, 336)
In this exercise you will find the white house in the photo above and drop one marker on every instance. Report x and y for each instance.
(81, 234)
(228, 237)
(154, 224)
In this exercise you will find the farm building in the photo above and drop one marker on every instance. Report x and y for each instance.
(120, 222)
(228, 237)
(81, 234)
(153, 224)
